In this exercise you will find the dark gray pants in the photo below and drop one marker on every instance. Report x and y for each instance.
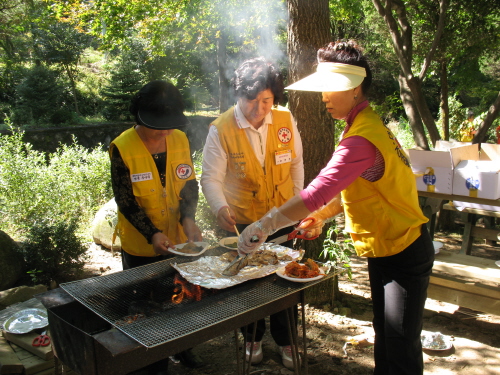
(399, 290)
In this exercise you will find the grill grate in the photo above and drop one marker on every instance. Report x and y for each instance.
(149, 289)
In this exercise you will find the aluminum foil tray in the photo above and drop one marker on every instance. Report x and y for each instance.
(25, 321)
(207, 271)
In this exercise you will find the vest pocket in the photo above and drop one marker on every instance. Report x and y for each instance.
(146, 195)
(283, 190)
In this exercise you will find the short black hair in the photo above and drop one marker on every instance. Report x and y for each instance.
(347, 52)
(256, 75)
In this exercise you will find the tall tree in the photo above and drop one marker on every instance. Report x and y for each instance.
(395, 16)
(308, 30)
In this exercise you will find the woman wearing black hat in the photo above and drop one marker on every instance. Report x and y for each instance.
(154, 183)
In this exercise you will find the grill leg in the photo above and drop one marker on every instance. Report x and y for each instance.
(236, 343)
(246, 365)
(304, 337)
(294, 342)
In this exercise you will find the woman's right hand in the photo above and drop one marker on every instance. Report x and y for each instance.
(226, 219)
(161, 243)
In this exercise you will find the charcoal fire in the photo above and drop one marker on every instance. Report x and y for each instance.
(185, 290)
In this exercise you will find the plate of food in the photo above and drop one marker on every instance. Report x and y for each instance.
(301, 272)
(435, 341)
(190, 249)
(27, 320)
(229, 243)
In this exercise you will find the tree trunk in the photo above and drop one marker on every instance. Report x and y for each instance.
(411, 110)
(308, 30)
(222, 64)
(488, 121)
(73, 87)
(401, 35)
(445, 108)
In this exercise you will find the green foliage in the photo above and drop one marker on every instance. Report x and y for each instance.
(53, 251)
(457, 118)
(338, 249)
(205, 219)
(71, 183)
(40, 99)
(402, 131)
(124, 82)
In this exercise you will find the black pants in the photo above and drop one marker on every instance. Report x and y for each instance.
(399, 290)
(278, 322)
(132, 261)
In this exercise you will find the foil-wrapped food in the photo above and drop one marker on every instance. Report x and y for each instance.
(207, 271)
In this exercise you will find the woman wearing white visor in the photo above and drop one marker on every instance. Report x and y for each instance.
(369, 179)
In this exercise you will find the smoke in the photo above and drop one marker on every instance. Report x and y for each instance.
(257, 25)
(247, 29)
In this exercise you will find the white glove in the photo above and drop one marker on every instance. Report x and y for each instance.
(256, 233)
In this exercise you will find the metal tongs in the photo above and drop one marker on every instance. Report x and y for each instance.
(237, 264)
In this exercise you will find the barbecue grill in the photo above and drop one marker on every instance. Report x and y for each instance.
(121, 322)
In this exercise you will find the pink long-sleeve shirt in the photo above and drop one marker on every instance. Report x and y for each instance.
(354, 157)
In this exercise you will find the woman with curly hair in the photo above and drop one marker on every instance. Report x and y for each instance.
(252, 161)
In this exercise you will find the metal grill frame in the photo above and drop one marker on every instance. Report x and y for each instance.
(180, 321)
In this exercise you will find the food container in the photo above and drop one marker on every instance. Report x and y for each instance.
(25, 321)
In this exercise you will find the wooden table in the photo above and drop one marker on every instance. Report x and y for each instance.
(462, 279)
(470, 229)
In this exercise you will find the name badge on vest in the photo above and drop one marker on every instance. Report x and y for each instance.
(283, 157)
(142, 176)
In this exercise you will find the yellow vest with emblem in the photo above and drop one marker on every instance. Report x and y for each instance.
(383, 217)
(160, 204)
(250, 190)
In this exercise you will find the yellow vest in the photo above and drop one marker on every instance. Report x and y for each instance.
(160, 204)
(249, 190)
(383, 217)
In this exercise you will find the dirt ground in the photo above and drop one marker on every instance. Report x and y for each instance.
(475, 335)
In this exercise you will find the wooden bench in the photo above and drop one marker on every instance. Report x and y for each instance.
(466, 281)
(471, 230)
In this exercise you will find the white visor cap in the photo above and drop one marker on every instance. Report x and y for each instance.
(331, 77)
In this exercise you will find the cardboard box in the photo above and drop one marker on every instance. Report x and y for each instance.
(490, 151)
(434, 169)
(477, 178)
(446, 145)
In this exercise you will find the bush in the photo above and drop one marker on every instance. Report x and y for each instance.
(205, 219)
(53, 252)
(71, 183)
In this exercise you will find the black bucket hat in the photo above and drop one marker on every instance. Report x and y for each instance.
(159, 105)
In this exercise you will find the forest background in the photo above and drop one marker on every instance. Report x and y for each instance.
(71, 62)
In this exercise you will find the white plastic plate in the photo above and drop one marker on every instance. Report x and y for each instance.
(229, 240)
(178, 249)
(281, 273)
(437, 245)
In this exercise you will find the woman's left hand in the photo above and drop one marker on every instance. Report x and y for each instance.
(191, 230)
(161, 243)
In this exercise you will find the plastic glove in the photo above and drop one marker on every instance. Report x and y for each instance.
(322, 215)
(256, 233)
